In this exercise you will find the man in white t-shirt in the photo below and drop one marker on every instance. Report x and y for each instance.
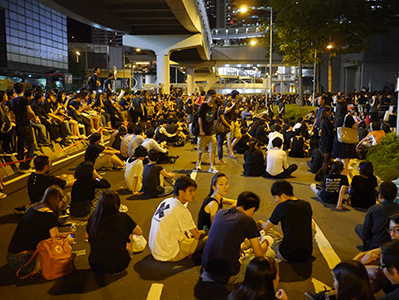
(172, 223)
(276, 133)
(134, 171)
(276, 161)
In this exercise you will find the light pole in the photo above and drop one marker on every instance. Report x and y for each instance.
(77, 56)
(314, 79)
(330, 56)
(244, 9)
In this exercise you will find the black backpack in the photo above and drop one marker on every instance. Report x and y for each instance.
(195, 124)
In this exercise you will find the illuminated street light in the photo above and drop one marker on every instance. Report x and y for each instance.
(253, 43)
(77, 56)
(243, 9)
(329, 46)
(138, 50)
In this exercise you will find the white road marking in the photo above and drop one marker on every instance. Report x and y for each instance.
(54, 164)
(155, 291)
(326, 249)
(319, 286)
(193, 174)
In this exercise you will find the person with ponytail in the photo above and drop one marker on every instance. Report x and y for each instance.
(214, 201)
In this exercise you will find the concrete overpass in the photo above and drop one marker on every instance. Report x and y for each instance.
(176, 30)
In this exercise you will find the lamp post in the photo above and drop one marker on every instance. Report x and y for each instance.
(330, 56)
(314, 79)
(244, 9)
(77, 56)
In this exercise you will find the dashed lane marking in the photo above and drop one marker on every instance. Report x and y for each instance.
(155, 291)
(326, 249)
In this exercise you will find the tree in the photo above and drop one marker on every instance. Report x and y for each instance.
(304, 26)
(78, 73)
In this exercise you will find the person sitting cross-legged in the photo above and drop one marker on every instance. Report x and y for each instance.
(277, 166)
(173, 234)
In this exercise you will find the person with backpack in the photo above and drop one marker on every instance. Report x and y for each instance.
(39, 223)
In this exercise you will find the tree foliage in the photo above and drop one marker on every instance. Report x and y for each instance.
(302, 27)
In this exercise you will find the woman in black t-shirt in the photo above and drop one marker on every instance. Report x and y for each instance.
(333, 187)
(327, 136)
(83, 193)
(254, 160)
(110, 234)
(363, 190)
(37, 224)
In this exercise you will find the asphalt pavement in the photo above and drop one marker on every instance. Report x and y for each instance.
(335, 240)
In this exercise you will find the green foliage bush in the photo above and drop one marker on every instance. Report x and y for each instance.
(385, 157)
(293, 110)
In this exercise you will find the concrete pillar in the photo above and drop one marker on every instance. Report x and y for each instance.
(150, 79)
(190, 80)
(163, 72)
(139, 81)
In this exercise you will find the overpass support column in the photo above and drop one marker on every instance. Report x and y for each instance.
(163, 71)
(190, 80)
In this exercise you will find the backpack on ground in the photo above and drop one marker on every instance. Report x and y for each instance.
(56, 258)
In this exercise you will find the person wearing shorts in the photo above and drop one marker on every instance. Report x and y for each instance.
(231, 115)
(207, 134)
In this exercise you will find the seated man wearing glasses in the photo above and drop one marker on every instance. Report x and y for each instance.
(373, 232)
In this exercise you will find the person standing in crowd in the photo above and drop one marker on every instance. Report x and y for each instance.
(207, 136)
(168, 239)
(21, 109)
(296, 222)
(221, 136)
(108, 83)
(231, 115)
(94, 83)
(343, 151)
(327, 137)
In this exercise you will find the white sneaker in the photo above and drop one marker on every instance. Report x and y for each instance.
(198, 166)
(81, 125)
(212, 170)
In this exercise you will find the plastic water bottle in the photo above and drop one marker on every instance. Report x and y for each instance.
(73, 232)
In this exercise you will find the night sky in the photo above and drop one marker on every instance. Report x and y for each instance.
(78, 32)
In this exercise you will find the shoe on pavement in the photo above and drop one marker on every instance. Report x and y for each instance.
(123, 208)
(198, 166)
(3, 195)
(212, 170)
(20, 210)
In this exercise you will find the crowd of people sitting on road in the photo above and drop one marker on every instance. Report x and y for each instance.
(234, 247)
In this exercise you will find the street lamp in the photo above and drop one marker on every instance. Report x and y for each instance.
(330, 46)
(253, 43)
(244, 9)
(77, 56)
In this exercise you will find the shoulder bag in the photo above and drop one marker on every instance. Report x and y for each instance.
(347, 135)
(221, 128)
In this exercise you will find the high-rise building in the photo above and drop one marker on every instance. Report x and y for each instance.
(33, 38)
